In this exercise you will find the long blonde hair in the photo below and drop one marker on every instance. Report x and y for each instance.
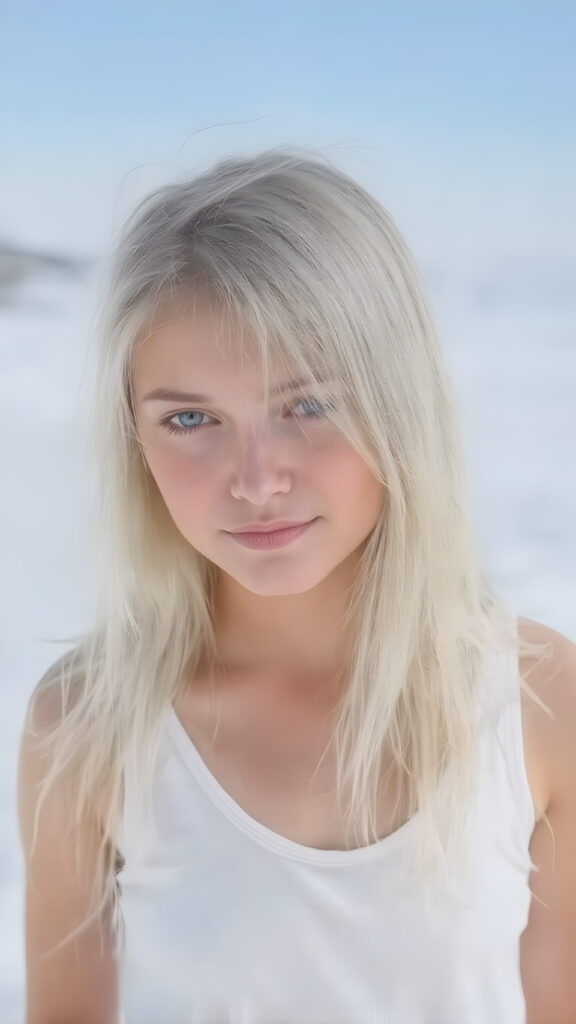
(298, 254)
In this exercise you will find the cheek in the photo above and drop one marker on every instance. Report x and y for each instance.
(348, 476)
(180, 480)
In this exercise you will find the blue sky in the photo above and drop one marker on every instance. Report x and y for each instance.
(444, 108)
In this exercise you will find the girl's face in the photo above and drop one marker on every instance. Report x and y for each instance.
(221, 460)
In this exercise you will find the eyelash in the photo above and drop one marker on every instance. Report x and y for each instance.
(173, 429)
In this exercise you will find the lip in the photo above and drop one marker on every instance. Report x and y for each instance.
(281, 524)
(270, 539)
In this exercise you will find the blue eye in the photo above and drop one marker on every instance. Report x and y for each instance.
(172, 428)
(311, 401)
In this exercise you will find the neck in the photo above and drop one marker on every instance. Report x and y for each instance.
(290, 634)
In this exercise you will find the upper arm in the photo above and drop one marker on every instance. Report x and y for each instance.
(548, 945)
(77, 984)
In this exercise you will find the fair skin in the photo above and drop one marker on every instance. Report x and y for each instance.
(548, 944)
(282, 653)
(248, 462)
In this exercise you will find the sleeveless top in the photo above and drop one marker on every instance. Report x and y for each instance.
(225, 921)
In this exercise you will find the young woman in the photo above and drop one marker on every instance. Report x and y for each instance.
(295, 772)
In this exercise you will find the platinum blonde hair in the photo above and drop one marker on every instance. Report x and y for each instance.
(309, 266)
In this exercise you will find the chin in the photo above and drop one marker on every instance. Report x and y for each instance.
(277, 586)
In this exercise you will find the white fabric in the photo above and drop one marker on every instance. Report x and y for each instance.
(227, 922)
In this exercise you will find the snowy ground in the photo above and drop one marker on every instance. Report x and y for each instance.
(511, 347)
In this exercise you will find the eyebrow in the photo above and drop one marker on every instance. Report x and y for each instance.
(169, 395)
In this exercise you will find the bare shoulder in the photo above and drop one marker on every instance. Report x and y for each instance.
(548, 942)
(549, 740)
(78, 980)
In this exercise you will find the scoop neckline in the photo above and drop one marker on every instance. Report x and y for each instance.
(497, 661)
(267, 837)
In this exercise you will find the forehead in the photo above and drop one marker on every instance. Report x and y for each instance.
(205, 350)
(201, 333)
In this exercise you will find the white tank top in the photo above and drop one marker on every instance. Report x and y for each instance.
(227, 922)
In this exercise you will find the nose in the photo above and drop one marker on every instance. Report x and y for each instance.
(259, 469)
